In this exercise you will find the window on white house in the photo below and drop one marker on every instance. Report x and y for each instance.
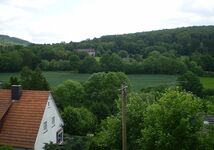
(59, 136)
(49, 104)
(45, 126)
(53, 121)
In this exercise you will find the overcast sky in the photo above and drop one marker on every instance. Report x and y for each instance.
(52, 21)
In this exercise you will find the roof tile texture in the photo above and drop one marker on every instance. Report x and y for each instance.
(22, 121)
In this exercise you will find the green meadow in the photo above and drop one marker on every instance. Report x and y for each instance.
(138, 81)
(208, 82)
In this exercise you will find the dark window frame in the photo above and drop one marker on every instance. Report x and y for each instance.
(59, 136)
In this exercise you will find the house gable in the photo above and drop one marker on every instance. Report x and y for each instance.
(50, 124)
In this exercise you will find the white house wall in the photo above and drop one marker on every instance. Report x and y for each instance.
(50, 134)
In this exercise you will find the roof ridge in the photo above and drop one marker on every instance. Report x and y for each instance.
(4, 113)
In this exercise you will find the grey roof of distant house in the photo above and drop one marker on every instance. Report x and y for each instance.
(209, 119)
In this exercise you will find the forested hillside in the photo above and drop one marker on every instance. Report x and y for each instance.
(183, 41)
(7, 40)
(171, 51)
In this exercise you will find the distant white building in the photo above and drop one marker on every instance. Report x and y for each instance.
(28, 119)
(90, 51)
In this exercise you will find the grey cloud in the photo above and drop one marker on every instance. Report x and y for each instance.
(193, 6)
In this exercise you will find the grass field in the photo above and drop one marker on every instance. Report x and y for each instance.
(138, 81)
(208, 82)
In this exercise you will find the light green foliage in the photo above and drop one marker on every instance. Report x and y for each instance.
(172, 122)
(78, 121)
(69, 93)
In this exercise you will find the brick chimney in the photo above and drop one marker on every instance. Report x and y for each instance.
(16, 92)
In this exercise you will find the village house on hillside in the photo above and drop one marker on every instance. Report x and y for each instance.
(28, 119)
(90, 51)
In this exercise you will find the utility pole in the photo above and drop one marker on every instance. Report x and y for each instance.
(123, 98)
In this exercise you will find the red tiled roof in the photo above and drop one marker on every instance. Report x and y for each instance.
(22, 121)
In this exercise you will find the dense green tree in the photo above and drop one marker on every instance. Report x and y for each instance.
(51, 146)
(111, 63)
(48, 54)
(75, 62)
(4, 147)
(33, 80)
(206, 136)
(15, 61)
(88, 65)
(123, 54)
(192, 65)
(157, 63)
(30, 59)
(26, 77)
(14, 81)
(10, 61)
(69, 93)
(190, 82)
(38, 81)
(71, 143)
(82, 54)
(56, 65)
(78, 121)
(173, 122)
(108, 135)
(103, 87)
(44, 65)
(207, 62)
(100, 110)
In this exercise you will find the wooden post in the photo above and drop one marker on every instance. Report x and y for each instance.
(123, 98)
